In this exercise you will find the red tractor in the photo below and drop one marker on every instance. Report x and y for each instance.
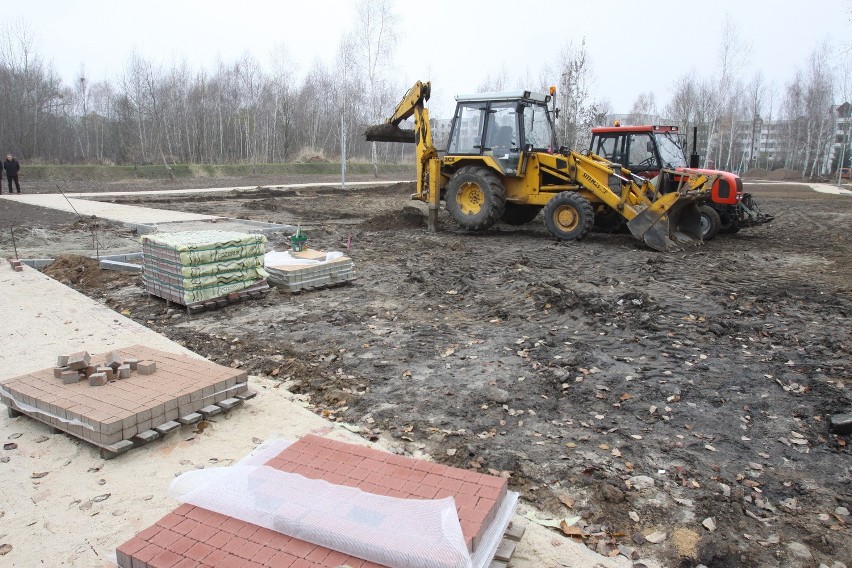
(645, 150)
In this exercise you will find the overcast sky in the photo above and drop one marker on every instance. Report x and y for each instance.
(635, 45)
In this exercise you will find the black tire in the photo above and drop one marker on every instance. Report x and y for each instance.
(476, 198)
(569, 216)
(710, 222)
(516, 214)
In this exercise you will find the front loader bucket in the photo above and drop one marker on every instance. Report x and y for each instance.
(673, 222)
(389, 133)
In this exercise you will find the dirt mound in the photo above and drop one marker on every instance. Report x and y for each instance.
(784, 174)
(755, 173)
(83, 272)
(409, 218)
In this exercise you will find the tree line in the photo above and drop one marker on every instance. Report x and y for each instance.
(246, 112)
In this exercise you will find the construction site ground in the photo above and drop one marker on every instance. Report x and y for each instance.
(684, 393)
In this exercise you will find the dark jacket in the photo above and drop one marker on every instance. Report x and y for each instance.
(12, 167)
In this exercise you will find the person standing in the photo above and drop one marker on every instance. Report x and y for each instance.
(12, 168)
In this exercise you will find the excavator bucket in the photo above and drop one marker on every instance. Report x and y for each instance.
(389, 133)
(673, 222)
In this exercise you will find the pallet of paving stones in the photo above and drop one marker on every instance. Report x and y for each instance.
(194, 267)
(255, 291)
(315, 272)
(194, 535)
(127, 397)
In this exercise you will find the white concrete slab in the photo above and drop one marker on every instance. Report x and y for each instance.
(111, 211)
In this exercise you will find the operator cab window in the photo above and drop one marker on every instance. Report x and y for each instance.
(502, 136)
(641, 154)
(607, 148)
(537, 129)
(468, 124)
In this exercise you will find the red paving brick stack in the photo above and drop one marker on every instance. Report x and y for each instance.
(193, 536)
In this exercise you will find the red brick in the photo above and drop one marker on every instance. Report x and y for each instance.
(219, 539)
(300, 548)
(149, 533)
(199, 514)
(126, 550)
(186, 563)
(217, 557)
(147, 553)
(165, 538)
(281, 560)
(246, 531)
(263, 536)
(199, 551)
(469, 488)
(302, 563)
(231, 561)
(279, 541)
(417, 476)
(202, 533)
(425, 492)
(165, 559)
(454, 473)
(233, 545)
(264, 554)
(248, 550)
(185, 526)
(318, 554)
(169, 521)
(232, 525)
(450, 484)
(215, 520)
(184, 509)
(335, 559)
(182, 545)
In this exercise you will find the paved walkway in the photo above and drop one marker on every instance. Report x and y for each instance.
(104, 210)
(72, 203)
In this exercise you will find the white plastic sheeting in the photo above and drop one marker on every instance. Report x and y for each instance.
(401, 533)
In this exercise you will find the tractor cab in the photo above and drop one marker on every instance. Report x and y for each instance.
(502, 126)
(644, 150)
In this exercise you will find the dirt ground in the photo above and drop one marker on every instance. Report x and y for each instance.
(684, 393)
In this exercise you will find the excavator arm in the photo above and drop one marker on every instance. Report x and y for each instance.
(428, 163)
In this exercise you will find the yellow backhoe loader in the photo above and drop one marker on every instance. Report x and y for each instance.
(502, 163)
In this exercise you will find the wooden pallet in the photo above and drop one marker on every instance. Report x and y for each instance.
(143, 438)
(511, 538)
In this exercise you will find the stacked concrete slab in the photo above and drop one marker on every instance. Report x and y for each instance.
(194, 536)
(310, 269)
(194, 267)
(166, 390)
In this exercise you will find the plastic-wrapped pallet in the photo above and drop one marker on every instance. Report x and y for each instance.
(309, 269)
(196, 266)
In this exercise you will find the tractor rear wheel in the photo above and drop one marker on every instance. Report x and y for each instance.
(710, 222)
(569, 216)
(475, 198)
(516, 214)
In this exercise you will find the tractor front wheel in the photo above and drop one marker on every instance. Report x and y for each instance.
(569, 216)
(476, 198)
